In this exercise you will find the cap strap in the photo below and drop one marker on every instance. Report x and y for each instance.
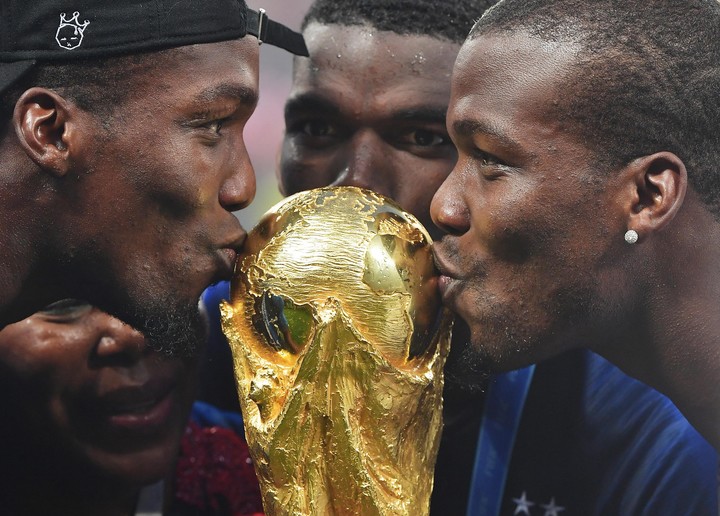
(274, 33)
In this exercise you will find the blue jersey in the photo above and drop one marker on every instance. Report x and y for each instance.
(592, 440)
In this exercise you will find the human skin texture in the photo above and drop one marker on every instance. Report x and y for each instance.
(534, 259)
(93, 414)
(367, 109)
(532, 238)
(132, 210)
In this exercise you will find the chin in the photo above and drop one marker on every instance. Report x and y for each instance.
(144, 468)
(513, 346)
(143, 462)
(493, 339)
(465, 368)
(487, 359)
(178, 329)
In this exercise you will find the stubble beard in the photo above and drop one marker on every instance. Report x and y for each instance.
(506, 340)
(466, 369)
(171, 328)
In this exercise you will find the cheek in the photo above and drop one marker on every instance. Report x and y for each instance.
(543, 231)
(29, 351)
(38, 378)
(304, 169)
(512, 219)
(36, 349)
(172, 178)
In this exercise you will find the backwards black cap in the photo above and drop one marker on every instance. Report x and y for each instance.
(62, 30)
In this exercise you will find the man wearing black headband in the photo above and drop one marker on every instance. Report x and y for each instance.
(122, 153)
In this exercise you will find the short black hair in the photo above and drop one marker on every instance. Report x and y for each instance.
(646, 79)
(442, 19)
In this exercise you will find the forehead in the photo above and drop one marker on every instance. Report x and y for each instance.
(199, 73)
(367, 67)
(510, 81)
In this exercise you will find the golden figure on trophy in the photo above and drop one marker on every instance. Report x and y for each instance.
(339, 339)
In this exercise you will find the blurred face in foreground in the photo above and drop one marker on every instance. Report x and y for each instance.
(88, 404)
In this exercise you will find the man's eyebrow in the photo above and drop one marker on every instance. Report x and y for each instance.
(426, 114)
(469, 128)
(318, 104)
(245, 95)
(311, 102)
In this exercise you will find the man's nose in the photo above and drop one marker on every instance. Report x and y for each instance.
(448, 209)
(238, 189)
(367, 164)
(118, 341)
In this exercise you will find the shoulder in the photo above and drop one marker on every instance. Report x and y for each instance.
(654, 457)
(600, 442)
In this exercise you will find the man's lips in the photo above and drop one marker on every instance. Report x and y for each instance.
(144, 417)
(447, 279)
(228, 254)
(138, 407)
(131, 398)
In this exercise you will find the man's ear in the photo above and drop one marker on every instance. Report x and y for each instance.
(41, 119)
(657, 185)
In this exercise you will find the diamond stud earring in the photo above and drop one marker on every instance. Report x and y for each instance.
(631, 236)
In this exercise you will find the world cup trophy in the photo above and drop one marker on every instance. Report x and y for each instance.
(339, 340)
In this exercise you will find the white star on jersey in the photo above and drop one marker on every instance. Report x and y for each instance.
(551, 509)
(522, 504)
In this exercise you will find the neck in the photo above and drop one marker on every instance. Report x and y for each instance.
(672, 340)
(26, 225)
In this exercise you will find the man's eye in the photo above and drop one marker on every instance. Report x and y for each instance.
(67, 308)
(489, 166)
(487, 160)
(426, 138)
(216, 125)
(318, 128)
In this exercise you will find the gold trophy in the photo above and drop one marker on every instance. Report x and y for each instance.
(338, 340)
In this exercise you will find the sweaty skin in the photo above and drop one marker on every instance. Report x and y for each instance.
(368, 110)
(534, 258)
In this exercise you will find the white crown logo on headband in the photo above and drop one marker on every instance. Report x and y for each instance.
(70, 32)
